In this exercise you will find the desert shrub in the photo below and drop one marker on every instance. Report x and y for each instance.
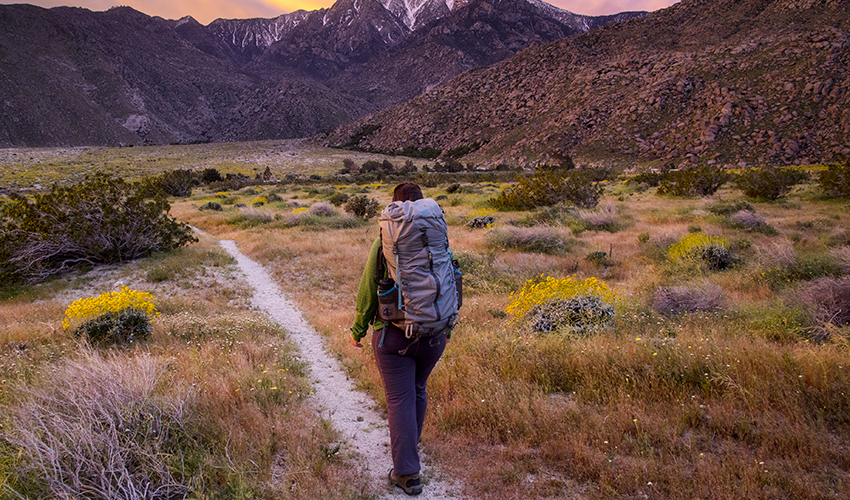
(362, 206)
(751, 221)
(769, 183)
(210, 175)
(177, 183)
(727, 209)
(545, 305)
(711, 251)
(117, 434)
(601, 219)
(826, 300)
(211, 205)
(101, 220)
(109, 302)
(481, 222)
(322, 208)
(259, 201)
(250, 218)
(449, 165)
(842, 258)
(835, 181)
(674, 300)
(598, 258)
(542, 239)
(453, 188)
(803, 268)
(549, 187)
(776, 254)
(703, 181)
(643, 237)
(119, 327)
(651, 179)
(337, 198)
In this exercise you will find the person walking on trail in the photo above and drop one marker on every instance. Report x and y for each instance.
(406, 346)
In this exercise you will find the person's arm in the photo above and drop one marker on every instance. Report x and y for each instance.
(367, 295)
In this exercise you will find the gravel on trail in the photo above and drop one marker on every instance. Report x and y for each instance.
(352, 412)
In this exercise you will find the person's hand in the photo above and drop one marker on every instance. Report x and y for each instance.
(354, 342)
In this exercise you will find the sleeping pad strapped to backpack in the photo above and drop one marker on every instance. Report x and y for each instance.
(415, 241)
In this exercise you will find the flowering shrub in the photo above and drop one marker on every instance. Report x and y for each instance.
(259, 201)
(481, 222)
(300, 210)
(556, 303)
(710, 249)
(113, 316)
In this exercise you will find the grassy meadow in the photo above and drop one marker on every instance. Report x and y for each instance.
(709, 383)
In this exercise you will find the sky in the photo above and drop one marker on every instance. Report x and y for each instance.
(205, 11)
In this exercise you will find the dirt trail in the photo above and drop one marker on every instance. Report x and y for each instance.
(364, 430)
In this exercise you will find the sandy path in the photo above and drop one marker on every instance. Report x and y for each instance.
(352, 412)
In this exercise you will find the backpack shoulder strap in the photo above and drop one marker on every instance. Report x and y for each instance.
(381, 264)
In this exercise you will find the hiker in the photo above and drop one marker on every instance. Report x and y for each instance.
(404, 355)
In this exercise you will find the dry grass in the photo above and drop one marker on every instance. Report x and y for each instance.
(216, 403)
(736, 403)
(689, 407)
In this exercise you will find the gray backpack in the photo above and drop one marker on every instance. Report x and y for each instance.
(422, 295)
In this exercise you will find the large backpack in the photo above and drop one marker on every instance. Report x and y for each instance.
(415, 243)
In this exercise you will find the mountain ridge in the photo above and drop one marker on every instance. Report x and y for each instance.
(132, 79)
(726, 82)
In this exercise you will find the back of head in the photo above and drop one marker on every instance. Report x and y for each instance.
(407, 191)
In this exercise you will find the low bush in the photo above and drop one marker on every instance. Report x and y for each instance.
(727, 209)
(122, 327)
(702, 181)
(769, 183)
(711, 251)
(542, 239)
(674, 300)
(210, 175)
(601, 219)
(211, 205)
(323, 209)
(251, 218)
(117, 435)
(481, 222)
(551, 304)
(101, 220)
(751, 221)
(842, 258)
(362, 206)
(177, 183)
(803, 268)
(835, 181)
(651, 179)
(550, 187)
(826, 301)
(338, 199)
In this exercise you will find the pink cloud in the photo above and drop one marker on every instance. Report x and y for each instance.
(604, 7)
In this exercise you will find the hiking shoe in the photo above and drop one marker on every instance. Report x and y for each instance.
(409, 484)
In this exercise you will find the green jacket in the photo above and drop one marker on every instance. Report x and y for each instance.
(367, 296)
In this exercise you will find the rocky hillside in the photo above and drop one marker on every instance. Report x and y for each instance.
(723, 82)
(69, 76)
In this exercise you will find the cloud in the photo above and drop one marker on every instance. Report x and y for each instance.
(206, 11)
(604, 7)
